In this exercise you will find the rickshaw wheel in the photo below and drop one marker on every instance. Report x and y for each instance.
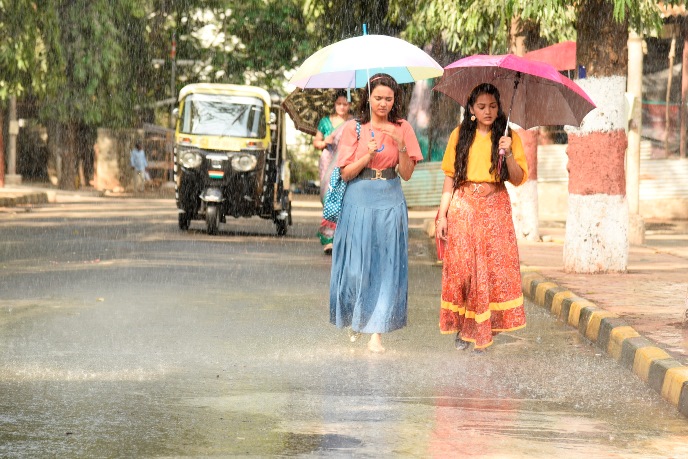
(282, 226)
(211, 219)
(184, 220)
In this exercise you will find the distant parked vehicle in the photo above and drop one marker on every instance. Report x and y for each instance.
(310, 187)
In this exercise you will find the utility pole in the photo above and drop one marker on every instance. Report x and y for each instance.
(636, 230)
(2, 152)
(173, 60)
(12, 178)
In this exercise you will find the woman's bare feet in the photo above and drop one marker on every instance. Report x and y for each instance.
(375, 344)
(353, 335)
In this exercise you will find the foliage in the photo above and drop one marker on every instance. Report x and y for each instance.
(333, 20)
(483, 26)
(264, 40)
(27, 31)
(91, 82)
(225, 41)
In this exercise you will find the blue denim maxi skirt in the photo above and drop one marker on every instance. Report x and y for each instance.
(369, 279)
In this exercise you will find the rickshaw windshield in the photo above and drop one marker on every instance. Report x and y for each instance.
(223, 115)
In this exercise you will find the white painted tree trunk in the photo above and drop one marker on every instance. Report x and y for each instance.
(596, 238)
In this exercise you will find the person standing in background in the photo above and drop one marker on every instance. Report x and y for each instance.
(324, 140)
(137, 157)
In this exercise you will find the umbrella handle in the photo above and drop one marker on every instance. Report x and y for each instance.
(502, 152)
(372, 134)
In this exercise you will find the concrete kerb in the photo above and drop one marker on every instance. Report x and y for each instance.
(27, 195)
(612, 334)
(21, 199)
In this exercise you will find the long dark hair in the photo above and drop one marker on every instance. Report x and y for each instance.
(380, 79)
(339, 93)
(467, 130)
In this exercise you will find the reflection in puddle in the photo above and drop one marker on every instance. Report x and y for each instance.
(296, 443)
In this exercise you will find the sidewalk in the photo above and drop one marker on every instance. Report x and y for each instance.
(33, 194)
(639, 318)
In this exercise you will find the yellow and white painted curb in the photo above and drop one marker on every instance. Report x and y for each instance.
(620, 341)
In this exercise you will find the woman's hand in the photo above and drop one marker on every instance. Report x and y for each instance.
(372, 148)
(441, 228)
(505, 144)
(329, 139)
(395, 133)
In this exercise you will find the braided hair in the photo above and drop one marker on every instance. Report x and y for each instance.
(467, 130)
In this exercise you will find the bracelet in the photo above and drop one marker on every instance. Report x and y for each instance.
(402, 150)
(439, 220)
(510, 155)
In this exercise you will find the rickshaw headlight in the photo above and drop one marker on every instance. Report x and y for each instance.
(244, 163)
(190, 159)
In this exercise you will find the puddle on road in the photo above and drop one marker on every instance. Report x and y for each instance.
(439, 426)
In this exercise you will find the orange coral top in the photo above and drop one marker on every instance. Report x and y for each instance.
(349, 149)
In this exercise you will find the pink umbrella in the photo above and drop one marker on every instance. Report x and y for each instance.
(540, 96)
(561, 56)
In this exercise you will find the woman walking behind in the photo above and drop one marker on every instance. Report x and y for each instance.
(325, 140)
(369, 280)
(481, 279)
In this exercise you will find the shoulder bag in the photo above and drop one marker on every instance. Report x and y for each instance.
(332, 206)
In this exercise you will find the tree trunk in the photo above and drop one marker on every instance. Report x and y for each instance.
(2, 150)
(596, 238)
(68, 176)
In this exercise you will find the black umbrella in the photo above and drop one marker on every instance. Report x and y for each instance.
(307, 107)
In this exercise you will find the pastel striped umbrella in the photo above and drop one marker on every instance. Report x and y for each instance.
(349, 63)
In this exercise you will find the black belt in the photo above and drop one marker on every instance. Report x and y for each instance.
(378, 174)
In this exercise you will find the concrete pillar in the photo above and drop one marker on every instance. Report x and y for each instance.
(636, 227)
(684, 91)
(524, 198)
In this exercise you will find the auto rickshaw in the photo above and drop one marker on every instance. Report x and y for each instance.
(230, 156)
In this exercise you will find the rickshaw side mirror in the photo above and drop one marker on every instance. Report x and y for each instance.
(175, 113)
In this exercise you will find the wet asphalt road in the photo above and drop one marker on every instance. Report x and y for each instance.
(121, 336)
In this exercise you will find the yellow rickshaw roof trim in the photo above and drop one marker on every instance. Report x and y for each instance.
(229, 89)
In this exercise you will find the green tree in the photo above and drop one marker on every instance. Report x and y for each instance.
(241, 42)
(93, 89)
(27, 32)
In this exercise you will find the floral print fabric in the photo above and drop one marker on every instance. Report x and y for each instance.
(481, 278)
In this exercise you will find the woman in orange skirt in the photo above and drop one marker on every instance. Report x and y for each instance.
(481, 278)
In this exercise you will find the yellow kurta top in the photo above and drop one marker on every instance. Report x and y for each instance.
(480, 157)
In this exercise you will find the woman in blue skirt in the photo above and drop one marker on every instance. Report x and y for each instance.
(369, 280)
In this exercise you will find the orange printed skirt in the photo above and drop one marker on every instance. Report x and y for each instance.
(481, 277)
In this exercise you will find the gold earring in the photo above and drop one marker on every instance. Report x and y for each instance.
(472, 117)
